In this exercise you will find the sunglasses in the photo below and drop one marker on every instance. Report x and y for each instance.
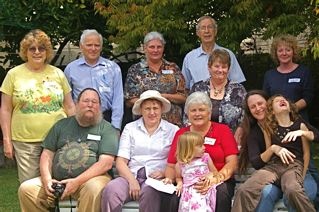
(33, 49)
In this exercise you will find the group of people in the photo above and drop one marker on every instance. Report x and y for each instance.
(187, 128)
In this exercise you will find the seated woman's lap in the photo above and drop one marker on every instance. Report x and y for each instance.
(117, 191)
(225, 193)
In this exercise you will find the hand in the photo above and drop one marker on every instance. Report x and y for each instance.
(8, 149)
(203, 185)
(134, 189)
(292, 136)
(156, 174)
(285, 155)
(47, 184)
(239, 135)
(71, 186)
(179, 188)
(167, 180)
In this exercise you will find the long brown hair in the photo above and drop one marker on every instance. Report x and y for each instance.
(247, 123)
(271, 122)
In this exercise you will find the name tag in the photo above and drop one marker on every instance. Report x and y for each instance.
(167, 71)
(103, 89)
(209, 141)
(293, 80)
(94, 137)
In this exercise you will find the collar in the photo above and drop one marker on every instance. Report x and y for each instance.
(100, 62)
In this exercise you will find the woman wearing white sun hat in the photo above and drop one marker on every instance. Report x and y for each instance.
(143, 151)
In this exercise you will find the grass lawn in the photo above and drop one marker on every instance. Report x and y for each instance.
(8, 190)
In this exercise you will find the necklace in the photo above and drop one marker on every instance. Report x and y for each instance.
(217, 91)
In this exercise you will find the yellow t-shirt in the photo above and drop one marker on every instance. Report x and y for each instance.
(37, 101)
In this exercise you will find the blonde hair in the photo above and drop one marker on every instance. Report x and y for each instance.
(186, 146)
(288, 40)
(39, 37)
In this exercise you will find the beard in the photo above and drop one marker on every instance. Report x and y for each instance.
(86, 121)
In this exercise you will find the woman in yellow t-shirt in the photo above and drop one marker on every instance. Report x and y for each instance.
(35, 95)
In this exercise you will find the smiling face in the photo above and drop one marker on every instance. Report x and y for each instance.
(206, 31)
(218, 70)
(198, 114)
(151, 111)
(257, 106)
(285, 53)
(154, 50)
(36, 55)
(91, 48)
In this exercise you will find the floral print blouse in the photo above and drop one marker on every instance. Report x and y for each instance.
(169, 80)
(230, 109)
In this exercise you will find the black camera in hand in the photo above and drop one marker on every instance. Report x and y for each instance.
(58, 189)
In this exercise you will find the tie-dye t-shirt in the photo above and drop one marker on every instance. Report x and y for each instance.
(37, 101)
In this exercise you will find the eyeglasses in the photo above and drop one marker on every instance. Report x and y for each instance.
(208, 27)
(41, 49)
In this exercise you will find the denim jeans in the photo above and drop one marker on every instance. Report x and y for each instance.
(272, 193)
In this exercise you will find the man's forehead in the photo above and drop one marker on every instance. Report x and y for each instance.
(89, 93)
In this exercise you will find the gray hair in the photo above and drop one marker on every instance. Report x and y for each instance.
(203, 18)
(198, 98)
(154, 36)
(89, 32)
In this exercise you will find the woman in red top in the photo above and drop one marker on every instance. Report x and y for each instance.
(219, 143)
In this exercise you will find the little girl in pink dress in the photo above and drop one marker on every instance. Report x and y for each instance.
(193, 164)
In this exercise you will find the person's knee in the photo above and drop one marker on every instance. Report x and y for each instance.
(271, 193)
(24, 188)
(149, 195)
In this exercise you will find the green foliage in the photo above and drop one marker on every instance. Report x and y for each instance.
(237, 20)
(63, 21)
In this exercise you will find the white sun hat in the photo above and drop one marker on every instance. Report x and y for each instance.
(151, 94)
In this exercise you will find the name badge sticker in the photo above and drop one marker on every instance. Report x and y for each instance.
(209, 141)
(293, 80)
(167, 71)
(94, 137)
(103, 89)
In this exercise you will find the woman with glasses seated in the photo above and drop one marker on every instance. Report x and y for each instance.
(35, 95)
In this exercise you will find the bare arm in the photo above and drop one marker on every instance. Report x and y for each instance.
(212, 167)
(45, 170)
(169, 173)
(179, 180)
(68, 105)
(100, 167)
(124, 171)
(6, 115)
(301, 104)
(230, 167)
(306, 151)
